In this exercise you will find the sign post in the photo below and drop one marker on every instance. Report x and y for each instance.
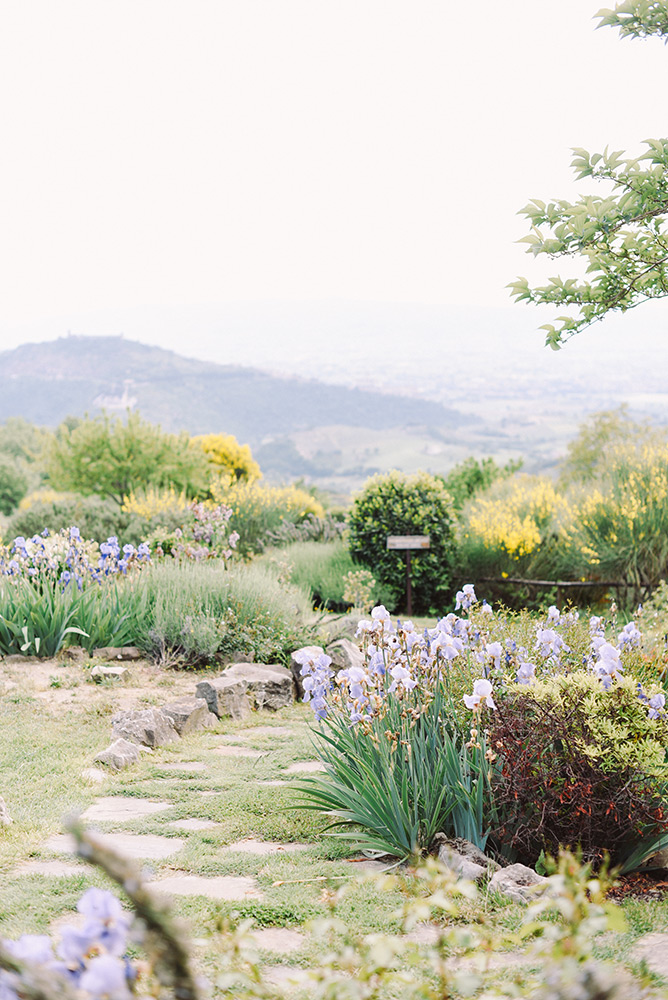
(408, 543)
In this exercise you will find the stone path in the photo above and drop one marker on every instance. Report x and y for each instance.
(138, 846)
(228, 887)
(305, 767)
(261, 847)
(114, 808)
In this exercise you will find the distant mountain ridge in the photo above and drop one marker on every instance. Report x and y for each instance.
(75, 375)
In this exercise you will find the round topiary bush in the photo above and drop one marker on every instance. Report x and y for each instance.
(396, 504)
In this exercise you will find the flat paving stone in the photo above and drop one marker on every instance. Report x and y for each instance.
(208, 792)
(653, 948)
(280, 939)
(54, 869)
(423, 934)
(218, 887)
(280, 731)
(369, 864)
(305, 767)
(284, 975)
(274, 783)
(235, 751)
(131, 845)
(193, 824)
(190, 765)
(112, 808)
(251, 846)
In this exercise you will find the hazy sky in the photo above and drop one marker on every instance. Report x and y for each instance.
(160, 152)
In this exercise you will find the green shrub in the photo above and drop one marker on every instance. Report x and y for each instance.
(474, 476)
(13, 484)
(94, 516)
(395, 504)
(195, 613)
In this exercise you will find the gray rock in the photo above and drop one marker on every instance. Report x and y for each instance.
(345, 654)
(517, 882)
(119, 674)
(653, 949)
(19, 658)
(148, 726)
(120, 754)
(75, 654)
(5, 818)
(189, 715)
(456, 853)
(117, 653)
(658, 860)
(225, 696)
(269, 686)
(309, 652)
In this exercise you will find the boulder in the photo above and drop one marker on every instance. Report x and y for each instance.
(345, 654)
(517, 882)
(269, 685)
(117, 653)
(121, 753)
(147, 726)
(190, 714)
(75, 654)
(463, 858)
(296, 661)
(225, 696)
(658, 860)
(119, 674)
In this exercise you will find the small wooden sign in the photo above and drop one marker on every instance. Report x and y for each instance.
(408, 542)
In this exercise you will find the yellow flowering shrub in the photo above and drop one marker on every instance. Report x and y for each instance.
(44, 495)
(509, 529)
(153, 502)
(257, 509)
(619, 527)
(229, 458)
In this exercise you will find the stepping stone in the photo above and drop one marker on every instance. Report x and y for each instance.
(653, 948)
(423, 934)
(273, 784)
(209, 792)
(284, 975)
(251, 846)
(234, 751)
(193, 824)
(305, 767)
(194, 765)
(369, 864)
(132, 845)
(219, 887)
(112, 808)
(265, 731)
(280, 939)
(55, 869)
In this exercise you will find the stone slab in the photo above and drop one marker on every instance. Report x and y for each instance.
(273, 784)
(305, 767)
(279, 731)
(228, 750)
(653, 948)
(183, 765)
(112, 808)
(218, 887)
(132, 845)
(261, 847)
(280, 939)
(54, 869)
(193, 824)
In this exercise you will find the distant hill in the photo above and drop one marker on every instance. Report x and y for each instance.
(75, 375)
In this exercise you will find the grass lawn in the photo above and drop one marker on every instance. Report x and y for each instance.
(54, 720)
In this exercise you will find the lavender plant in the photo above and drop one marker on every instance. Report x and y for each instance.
(204, 534)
